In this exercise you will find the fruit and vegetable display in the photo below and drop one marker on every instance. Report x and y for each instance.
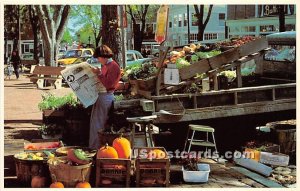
(190, 54)
(137, 71)
(63, 151)
(120, 149)
(78, 157)
(34, 156)
(235, 42)
(42, 146)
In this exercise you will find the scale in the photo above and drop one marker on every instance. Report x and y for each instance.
(171, 75)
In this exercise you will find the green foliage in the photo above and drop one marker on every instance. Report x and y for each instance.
(67, 37)
(181, 63)
(118, 97)
(49, 101)
(203, 55)
(137, 71)
(50, 129)
(88, 17)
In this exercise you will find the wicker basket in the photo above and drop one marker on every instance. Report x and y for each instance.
(70, 175)
(63, 151)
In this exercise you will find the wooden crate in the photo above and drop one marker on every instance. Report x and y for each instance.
(115, 170)
(151, 172)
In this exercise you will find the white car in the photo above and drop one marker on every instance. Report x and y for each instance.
(134, 57)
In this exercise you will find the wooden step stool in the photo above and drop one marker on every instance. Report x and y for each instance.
(203, 143)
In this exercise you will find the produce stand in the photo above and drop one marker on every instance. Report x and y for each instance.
(265, 94)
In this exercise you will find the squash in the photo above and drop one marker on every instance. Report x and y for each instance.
(83, 185)
(156, 154)
(122, 146)
(38, 182)
(107, 152)
(57, 185)
(72, 157)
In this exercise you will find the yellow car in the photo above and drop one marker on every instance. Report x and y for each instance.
(72, 55)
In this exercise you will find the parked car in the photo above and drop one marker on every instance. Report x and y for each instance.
(134, 57)
(61, 53)
(72, 55)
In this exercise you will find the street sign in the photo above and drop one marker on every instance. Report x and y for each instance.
(161, 23)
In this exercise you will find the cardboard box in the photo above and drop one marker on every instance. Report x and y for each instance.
(276, 159)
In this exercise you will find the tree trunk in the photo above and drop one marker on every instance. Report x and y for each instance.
(35, 29)
(111, 35)
(52, 20)
(281, 18)
(200, 20)
(137, 37)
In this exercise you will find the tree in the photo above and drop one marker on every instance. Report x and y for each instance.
(53, 19)
(200, 20)
(11, 20)
(67, 37)
(90, 17)
(140, 15)
(35, 25)
(110, 32)
(11, 29)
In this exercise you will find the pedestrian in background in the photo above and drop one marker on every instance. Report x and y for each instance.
(16, 61)
(109, 75)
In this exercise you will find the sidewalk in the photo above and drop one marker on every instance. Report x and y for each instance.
(21, 98)
(21, 119)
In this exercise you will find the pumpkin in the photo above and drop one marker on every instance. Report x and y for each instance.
(38, 182)
(122, 146)
(156, 154)
(57, 185)
(83, 185)
(107, 152)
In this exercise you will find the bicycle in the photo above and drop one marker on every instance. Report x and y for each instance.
(8, 70)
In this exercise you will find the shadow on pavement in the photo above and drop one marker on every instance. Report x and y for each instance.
(10, 177)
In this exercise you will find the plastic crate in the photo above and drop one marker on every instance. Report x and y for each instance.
(197, 176)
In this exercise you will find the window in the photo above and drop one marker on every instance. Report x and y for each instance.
(248, 29)
(175, 21)
(210, 36)
(185, 20)
(221, 19)
(251, 29)
(290, 27)
(180, 20)
(170, 24)
(27, 48)
(193, 37)
(194, 20)
(267, 28)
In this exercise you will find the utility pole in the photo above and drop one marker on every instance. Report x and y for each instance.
(188, 22)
